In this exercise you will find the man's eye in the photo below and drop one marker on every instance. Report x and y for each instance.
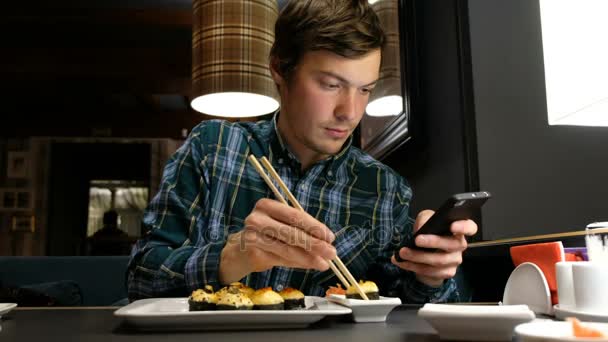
(331, 85)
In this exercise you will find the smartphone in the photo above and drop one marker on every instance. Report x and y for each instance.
(458, 207)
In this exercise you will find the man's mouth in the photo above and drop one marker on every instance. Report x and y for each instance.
(337, 132)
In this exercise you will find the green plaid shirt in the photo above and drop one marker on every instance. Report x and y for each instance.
(208, 189)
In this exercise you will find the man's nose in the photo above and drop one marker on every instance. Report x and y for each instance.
(347, 106)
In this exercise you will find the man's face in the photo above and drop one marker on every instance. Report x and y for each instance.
(324, 100)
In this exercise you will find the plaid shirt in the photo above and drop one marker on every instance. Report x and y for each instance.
(208, 189)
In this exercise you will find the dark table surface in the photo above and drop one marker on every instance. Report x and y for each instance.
(99, 324)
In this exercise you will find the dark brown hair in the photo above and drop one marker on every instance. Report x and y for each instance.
(349, 28)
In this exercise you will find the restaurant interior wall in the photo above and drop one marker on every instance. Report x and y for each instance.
(545, 179)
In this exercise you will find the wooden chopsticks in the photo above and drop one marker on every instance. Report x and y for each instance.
(346, 278)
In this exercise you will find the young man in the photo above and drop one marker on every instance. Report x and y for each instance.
(214, 220)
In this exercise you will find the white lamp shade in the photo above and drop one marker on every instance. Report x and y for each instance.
(235, 104)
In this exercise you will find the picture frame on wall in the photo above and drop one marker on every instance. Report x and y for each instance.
(17, 164)
(16, 199)
(23, 223)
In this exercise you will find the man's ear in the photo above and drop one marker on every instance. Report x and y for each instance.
(274, 71)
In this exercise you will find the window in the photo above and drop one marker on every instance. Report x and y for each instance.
(127, 198)
(576, 54)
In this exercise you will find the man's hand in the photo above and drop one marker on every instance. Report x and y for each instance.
(276, 234)
(432, 268)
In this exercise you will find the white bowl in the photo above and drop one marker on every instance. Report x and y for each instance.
(475, 322)
(375, 310)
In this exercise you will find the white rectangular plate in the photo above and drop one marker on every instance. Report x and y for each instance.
(173, 314)
(6, 307)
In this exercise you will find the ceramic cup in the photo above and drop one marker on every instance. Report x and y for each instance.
(565, 286)
(590, 280)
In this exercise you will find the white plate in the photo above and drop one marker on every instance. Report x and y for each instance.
(475, 322)
(375, 310)
(6, 307)
(556, 331)
(174, 314)
(527, 285)
(562, 313)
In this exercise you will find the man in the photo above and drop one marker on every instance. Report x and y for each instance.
(214, 220)
(109, 240)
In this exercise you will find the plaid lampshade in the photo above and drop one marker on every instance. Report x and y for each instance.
(386, 99)
(231, 42)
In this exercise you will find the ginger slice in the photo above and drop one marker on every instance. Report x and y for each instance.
(579, 330)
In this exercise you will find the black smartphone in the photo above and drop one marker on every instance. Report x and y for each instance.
(458, 207)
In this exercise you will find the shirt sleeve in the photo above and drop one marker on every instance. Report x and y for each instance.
(396, 282)
(175, 256)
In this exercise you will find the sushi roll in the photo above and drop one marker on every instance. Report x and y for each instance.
(266, 299)
(232, 298)
(202, 299)
(337, 290)
(243, 288)
(369, 288)
(294, 299)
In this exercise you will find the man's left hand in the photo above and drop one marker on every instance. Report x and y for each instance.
(432, 268)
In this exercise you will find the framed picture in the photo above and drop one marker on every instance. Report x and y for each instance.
(17, 164)
(15, 199)
(23, 223)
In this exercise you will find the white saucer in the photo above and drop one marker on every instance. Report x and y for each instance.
(556, 331)
(562, 313)
(375, 310)
(6, 307)
(475, 322)
(527, 285)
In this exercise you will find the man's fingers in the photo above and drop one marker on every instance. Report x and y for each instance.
(275, 230)
(262, 260)
(283, 254)
(426, 270)
(464, 227)
(296, 218)
(422, 217)
(438, 259)
(444, 243)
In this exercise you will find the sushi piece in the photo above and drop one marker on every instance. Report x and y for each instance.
(232, 298)
(369, 288)
(240, 286)
(202, 299)
(266, 299)
(243, 288)
(338, 290)
(294, 299)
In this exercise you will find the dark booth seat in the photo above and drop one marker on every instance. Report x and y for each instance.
(73, 280)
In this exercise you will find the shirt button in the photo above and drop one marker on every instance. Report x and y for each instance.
(279, 287)
(303, 186)
(330, 173)
(280, 160)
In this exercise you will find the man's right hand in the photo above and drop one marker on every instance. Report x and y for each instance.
(276, 234)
